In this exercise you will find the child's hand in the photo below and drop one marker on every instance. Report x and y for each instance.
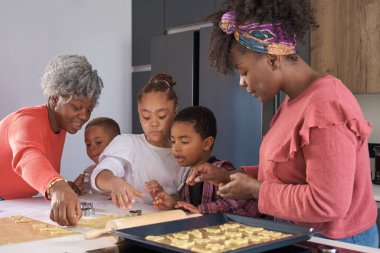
(153, 187)
(208, 173)
(74, 187)
(163, 201)
(188, 206)
(123, 194)
(79, 182)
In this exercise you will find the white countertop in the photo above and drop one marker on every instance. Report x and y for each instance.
(38, 208)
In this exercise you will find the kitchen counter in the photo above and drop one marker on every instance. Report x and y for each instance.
(38, 208)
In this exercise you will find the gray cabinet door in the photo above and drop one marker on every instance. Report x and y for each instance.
(139, 79)
(239, 115)
(184, 12)
(176, 55)
(147, 22)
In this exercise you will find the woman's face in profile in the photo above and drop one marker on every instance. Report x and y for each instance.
(70, 113)
(256, 73)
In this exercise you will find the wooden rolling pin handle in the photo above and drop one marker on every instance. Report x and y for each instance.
(94, 234)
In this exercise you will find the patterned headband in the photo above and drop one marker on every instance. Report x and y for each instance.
(258, 37)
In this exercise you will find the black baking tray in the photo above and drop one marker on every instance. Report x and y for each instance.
(136, 235)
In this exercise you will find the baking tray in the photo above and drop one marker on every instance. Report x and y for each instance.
(137, 235)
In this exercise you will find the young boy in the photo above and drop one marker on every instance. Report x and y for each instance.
(99, 132)
(193, 135)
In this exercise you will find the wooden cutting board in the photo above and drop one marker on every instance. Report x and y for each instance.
(16, 229)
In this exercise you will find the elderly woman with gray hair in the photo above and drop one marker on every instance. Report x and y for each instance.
(32, 138)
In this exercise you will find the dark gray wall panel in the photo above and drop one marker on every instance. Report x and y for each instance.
(217, 4)
(147, 22)
(185, 12)
(139, 79)
(173, 54)
(238, 113)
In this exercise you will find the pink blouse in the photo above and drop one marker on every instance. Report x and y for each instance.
(314, 163)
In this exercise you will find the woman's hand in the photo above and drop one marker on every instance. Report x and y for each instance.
(164, 201)
(191, 208)
(208, 173)
(123, 194)
(153, 187)
(65, 205)
(242, 186)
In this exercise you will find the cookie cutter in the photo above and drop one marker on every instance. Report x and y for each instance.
(136, 212)
(86, 177)
(87, 208)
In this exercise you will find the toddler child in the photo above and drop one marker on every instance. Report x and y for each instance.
(99, 132)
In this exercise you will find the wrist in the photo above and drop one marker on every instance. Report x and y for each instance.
(52, 186)
(226, 177)
(104, 180)
(256, 190)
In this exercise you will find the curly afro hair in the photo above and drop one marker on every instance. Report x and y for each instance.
(203, 119)
(295, 16)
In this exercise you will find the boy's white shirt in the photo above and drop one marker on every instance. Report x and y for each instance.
(133, 158)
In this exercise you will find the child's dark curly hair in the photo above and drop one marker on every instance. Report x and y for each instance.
(295, 16)
(203, 119)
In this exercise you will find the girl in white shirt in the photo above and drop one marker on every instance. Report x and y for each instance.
(130, 160)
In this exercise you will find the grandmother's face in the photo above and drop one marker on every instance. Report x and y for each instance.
(70, 114)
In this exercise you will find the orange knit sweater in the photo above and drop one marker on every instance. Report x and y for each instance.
(30, 154)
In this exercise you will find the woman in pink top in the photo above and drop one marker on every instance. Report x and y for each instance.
(314, 165)
(32, 138)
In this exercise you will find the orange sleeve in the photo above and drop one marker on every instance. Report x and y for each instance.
(30, 142)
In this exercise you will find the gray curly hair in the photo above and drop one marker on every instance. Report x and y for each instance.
(71, 75)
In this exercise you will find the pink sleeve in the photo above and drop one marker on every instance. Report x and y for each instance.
(26, 139)
(253, 171)
(330, 172)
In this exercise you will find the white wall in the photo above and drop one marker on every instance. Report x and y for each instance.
(34, 32)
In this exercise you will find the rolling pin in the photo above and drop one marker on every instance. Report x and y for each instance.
(135, 221)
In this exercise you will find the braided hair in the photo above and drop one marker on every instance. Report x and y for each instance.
(295, 16)
(160, 83)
